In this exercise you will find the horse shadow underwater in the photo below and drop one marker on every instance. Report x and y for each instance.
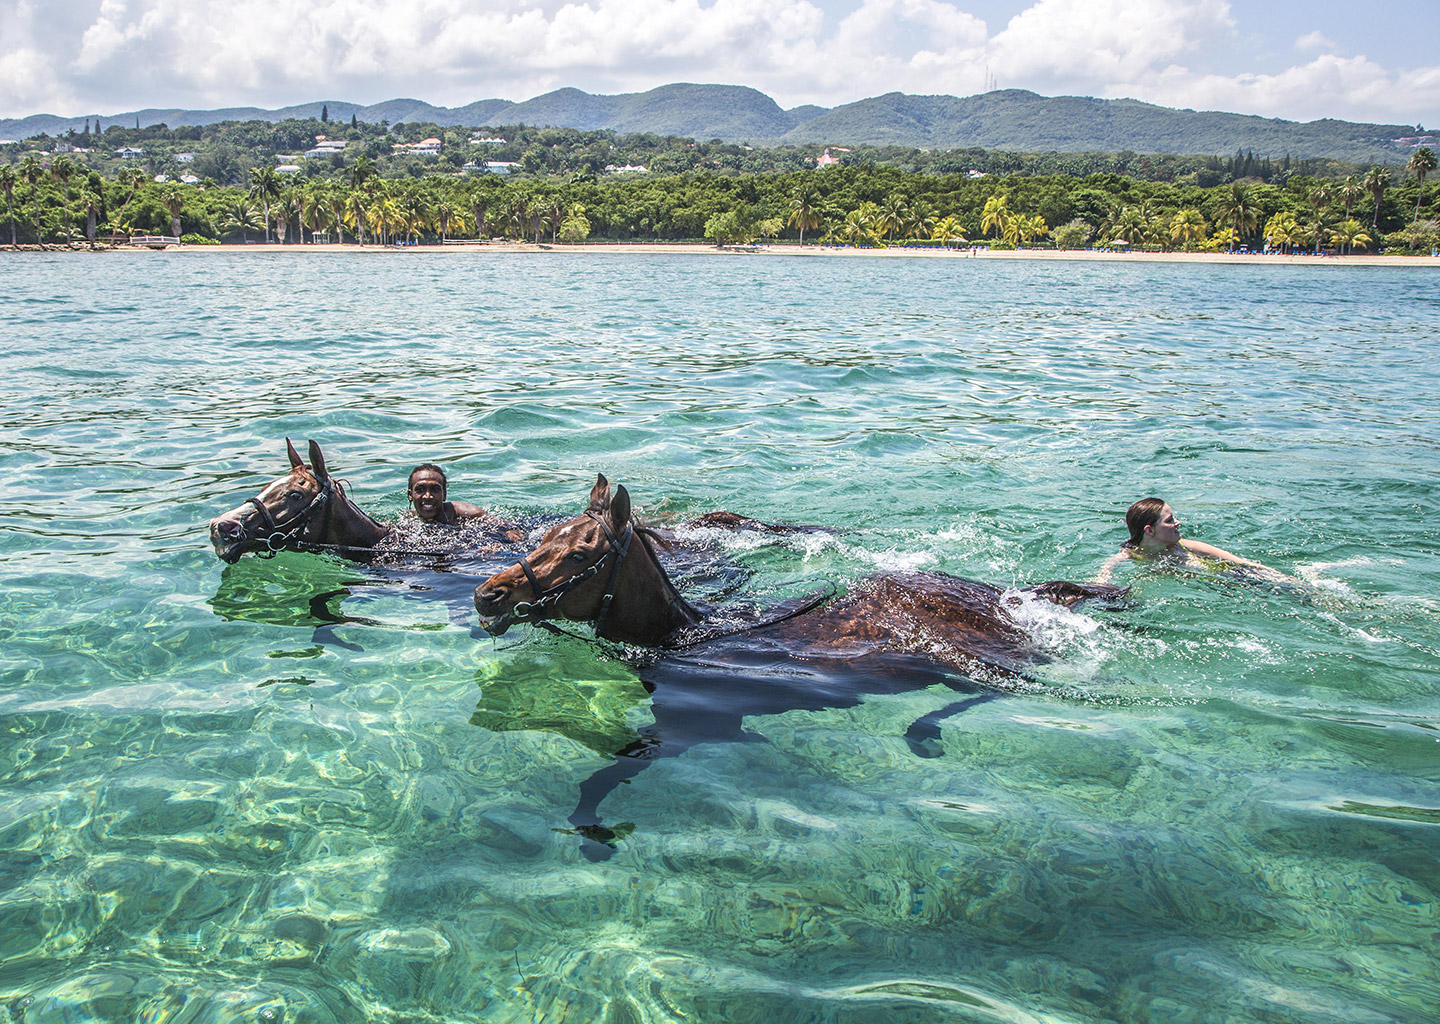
(706, 670)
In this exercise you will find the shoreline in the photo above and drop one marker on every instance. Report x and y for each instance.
(764, 251)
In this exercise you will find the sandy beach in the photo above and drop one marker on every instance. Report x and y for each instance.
(772, 251)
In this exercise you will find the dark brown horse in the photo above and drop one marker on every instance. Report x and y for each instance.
(889, 634)
(307, 509)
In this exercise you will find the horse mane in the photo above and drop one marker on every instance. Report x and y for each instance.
(340, 486)
(649, 538)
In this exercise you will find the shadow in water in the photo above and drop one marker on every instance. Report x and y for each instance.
(696, 698)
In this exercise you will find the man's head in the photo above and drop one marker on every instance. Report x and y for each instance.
(426, 491)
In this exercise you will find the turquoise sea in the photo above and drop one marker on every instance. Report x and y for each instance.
(301, 790)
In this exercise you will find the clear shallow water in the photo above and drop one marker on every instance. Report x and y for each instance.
(301, 790)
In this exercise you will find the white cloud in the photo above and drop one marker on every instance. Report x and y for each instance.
(80, 56)
(1316, 40)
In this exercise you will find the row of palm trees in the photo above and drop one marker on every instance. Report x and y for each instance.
(378, 210)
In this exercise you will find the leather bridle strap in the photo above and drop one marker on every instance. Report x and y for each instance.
(545, 599)
(284, 534)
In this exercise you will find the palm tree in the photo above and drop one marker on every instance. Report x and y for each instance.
(1282, 231)
(1188, 226)
(361, 171)
(265, 186)
(996, 215)
(1350, 192)
(1130, 226)
(804, 212)
(445, 213)
(93, 202)
(131, 178)
(172, 197)
(414, 212)
(62, 169)
(315, 210)
(357, 212)
(1422, 162)
(1032, 227)
(922, 220)
(336, 199)
(949, 231)
(894, 212)
(31, 170)
(1377, 180)
(1238, 211)
(7, 183)
(479, 205)
(241, 216)
(859, 226)
(1349, 233)
(1321, 196)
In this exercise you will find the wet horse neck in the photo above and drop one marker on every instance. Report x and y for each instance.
(350, 526)
(646, 608)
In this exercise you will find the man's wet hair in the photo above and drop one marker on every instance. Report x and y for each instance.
(432, 468)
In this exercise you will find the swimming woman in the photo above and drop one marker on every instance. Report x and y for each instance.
(1155, 536)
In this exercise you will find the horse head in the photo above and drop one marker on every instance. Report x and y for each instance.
(599, 567)
(285, 507)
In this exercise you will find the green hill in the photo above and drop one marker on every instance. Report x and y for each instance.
(1011, 119)
(1014, 119)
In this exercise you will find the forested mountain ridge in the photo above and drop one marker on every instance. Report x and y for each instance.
(1011, 119)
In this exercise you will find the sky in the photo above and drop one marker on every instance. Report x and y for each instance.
(1293, 59)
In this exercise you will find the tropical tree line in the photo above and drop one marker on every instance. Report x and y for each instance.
(62, 203)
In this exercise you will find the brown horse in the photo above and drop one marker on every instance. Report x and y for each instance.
(307, 509)
(890, 634)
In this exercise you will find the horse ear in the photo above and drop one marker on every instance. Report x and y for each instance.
(600, 493)
(317, 461)
(620, 508)
(295, 460)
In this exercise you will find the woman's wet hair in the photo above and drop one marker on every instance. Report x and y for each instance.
(432, 468)
(1145, 512)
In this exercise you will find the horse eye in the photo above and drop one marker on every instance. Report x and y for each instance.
(294, 496)
(578, 556)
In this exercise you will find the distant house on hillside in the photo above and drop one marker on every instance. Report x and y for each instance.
(425, 147)
(486, 140)
(288, 169)
(501, 166)
(826, 160)
(184, 158)
(325, 147)
(129, 153)
(626, 169)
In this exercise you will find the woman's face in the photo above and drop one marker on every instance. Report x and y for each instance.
(1166, 530)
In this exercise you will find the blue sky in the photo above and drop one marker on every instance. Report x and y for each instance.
(1296, 60)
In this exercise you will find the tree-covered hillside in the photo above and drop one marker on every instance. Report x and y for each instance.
(1011, 119)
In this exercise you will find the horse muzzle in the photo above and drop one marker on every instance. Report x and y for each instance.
(229, 537)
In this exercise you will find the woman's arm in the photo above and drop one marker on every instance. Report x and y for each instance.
(1108, 569)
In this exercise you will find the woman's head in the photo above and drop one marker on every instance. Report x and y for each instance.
(1158, 517)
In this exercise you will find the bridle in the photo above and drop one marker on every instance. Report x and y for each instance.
(286, 535)
(546, 599)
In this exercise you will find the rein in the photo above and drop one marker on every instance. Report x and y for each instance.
(286, 536)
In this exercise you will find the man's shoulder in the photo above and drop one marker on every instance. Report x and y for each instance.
(465, 510)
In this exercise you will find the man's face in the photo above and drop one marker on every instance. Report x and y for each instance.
(427, 494)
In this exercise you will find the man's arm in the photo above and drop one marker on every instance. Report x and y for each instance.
(465, 510)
